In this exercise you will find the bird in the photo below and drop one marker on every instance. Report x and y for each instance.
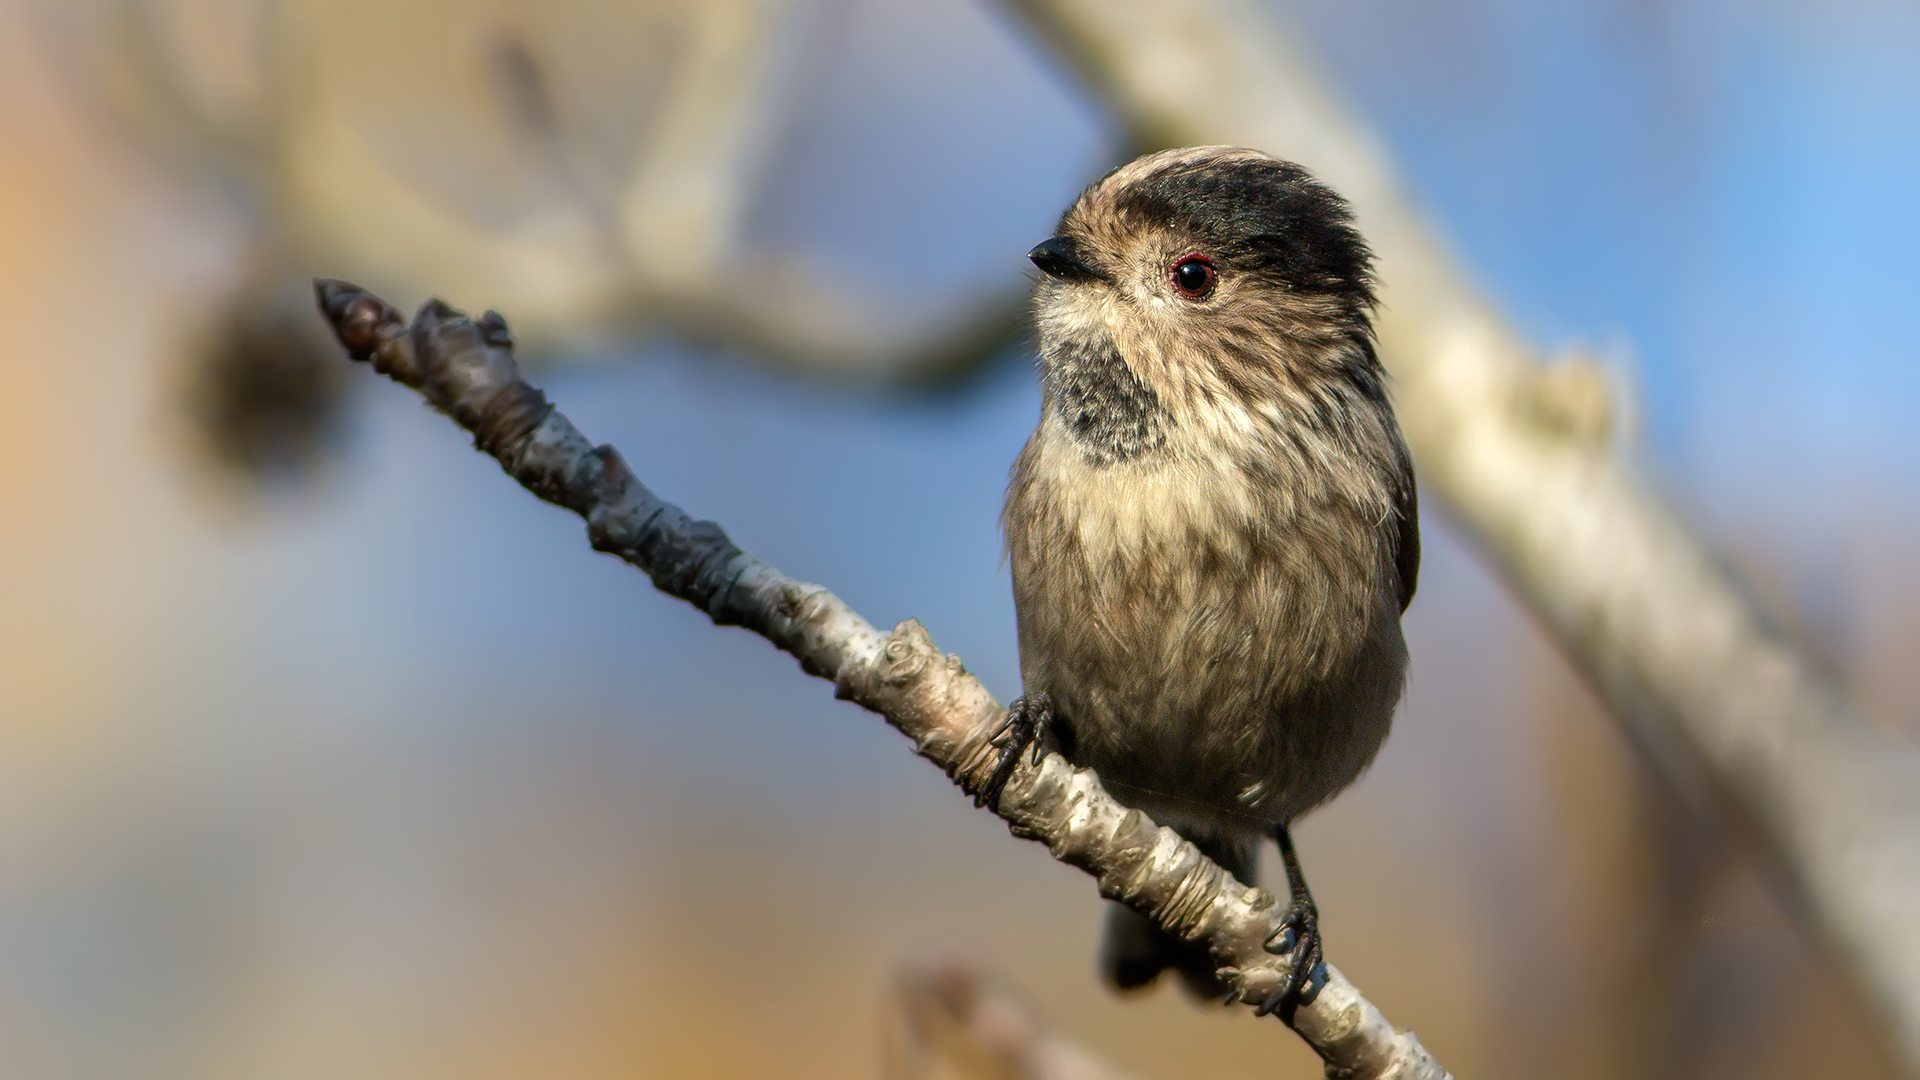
(1213, 531)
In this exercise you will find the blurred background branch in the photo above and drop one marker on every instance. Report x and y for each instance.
(947, 1020)
(605, 194)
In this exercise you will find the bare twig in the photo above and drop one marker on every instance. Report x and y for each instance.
(1523, 455)
(465, 369)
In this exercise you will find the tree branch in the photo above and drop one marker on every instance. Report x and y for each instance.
(1685, 662)
(465, 368)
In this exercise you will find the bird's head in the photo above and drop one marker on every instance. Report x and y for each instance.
(1200, 279)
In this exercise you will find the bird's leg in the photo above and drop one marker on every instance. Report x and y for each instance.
(1297, 936)
(1027, 720)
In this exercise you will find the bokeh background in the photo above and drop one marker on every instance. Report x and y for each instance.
(326, 751)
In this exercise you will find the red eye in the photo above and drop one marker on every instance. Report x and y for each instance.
(1193, 277)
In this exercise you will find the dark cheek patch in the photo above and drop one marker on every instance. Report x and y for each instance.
(1112, 415)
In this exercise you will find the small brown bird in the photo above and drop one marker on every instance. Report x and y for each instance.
(1213, 530)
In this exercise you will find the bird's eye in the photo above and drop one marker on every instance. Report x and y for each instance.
(1193, 277)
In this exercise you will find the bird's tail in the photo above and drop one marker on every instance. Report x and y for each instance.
(1134, 951)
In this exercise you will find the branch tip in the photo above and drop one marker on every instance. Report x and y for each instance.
(356, 315)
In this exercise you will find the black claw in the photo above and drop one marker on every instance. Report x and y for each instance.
(1027, 720)
(1297, 936)
(1316, 982)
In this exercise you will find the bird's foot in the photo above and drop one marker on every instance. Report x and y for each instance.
(1027, 720)
(1297, 937)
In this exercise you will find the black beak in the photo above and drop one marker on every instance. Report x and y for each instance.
(1059, 257)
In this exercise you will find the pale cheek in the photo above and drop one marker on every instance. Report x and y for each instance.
(1073, 316)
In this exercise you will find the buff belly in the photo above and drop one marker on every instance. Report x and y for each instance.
(1210, 658)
